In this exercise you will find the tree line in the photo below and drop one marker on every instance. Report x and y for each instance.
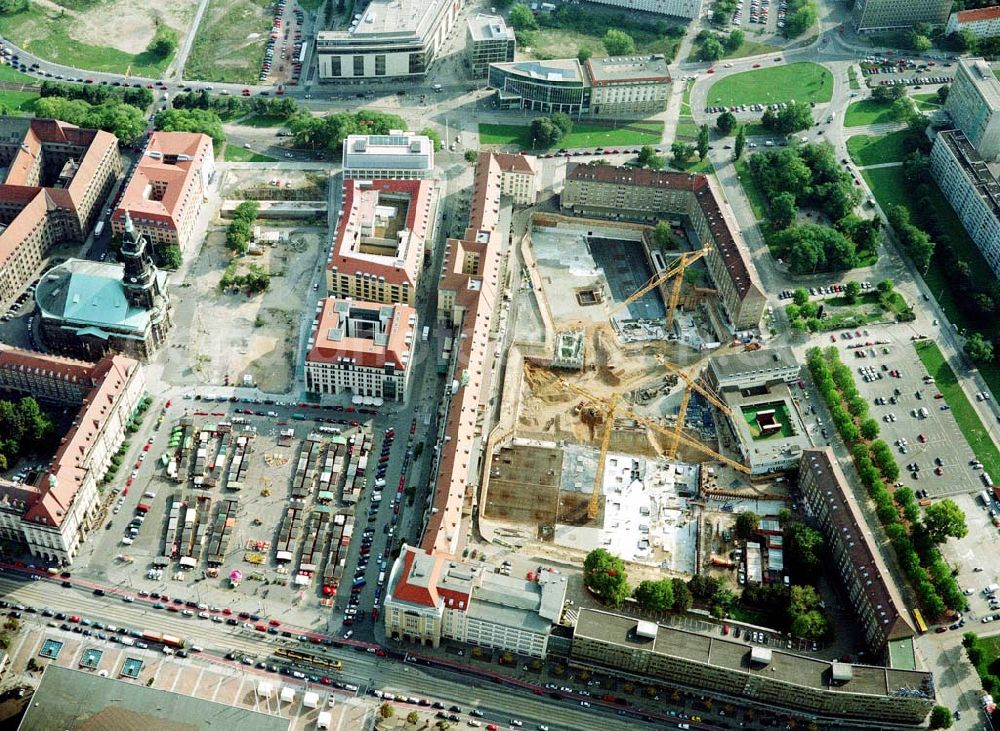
(24, 429)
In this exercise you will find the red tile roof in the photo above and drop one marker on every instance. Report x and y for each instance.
(970, 16)
(364, 352)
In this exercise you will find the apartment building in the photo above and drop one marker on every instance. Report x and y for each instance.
(361, 348)
(675, 8)
(974, 105)
(398, 155)
(749, 674)
(393, 39)
(431, 597)
(619, 86)
(467, 301)
(879, 16)
(53, 514)
(379, 246)
(518, 177)
(619, 193)
(167, 188)
(971, 190)
(980, 22)
(55, 178)
(488, 40)
(878, 606)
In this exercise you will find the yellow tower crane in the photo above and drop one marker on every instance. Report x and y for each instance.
(690, 385)
(676, 269)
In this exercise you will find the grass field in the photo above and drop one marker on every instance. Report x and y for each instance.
(263, 120)
(803, 82)
(574, 36)
(19, 102)
(852, 78)
(968, 420)
(46, 33)
(753, 193)
(749, 48)
(926, 102)
(230, 41)
(241, 154)
(869, 111)
(868, 150)
(15, 76)
(584, 134)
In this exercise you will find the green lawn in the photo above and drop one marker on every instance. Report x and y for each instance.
(241, 154)
(584, 134)
(869, 150)
(47, 34)
(15, 76)
(263, 120)
(926, 102)
(852, 78)
(869, 111)
(749, 48)
(19, 102)
(803, 82)
(968, 420)
(230, 42)
(753, 193)
(564, 34)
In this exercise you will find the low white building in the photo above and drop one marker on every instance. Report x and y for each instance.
(398, 155)
(981, 22)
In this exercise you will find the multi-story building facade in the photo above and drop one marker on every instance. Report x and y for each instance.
(632, 194)
(676, 8)
(168, 185)
(754, 369)
(88, 309)
(974, 105)
(980, 22)
(758, 676)
(855, 556)
(361, 348)
(392, 39)
(431, 597)
(620, 86)
(467, 302)
(488, 40)
(518, 177)
(55, 179)
(398, 155)
(879, 16)
(971, 189)
(54, 514)
(378, 251)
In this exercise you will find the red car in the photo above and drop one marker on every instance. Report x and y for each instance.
(146, 448)
(756, 65)
(274, 623)
(260, 627)
(710, 71)
(74, 618)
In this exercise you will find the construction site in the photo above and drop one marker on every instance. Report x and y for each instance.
(607, 436)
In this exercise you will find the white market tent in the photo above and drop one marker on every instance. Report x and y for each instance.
(287, 694)
(310, 700)
(324, 720)
(265, 688)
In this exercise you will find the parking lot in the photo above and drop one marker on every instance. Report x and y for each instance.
(912, 417)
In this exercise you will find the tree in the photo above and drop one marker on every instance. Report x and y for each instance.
(164, 42)
(940, 717)
(562, 122)
(681, 151)
(711, 50)
(471, 156)
(942, 93)
(852, 290)
(618, 42)
(656, 596)
(733, 41)
(703, 587)
(521, 18)
(888, 94)
(944, 520)
(805, 550)
(783, 210)
(682, 595)
(726, 123)
(434, 137)
(811, 625)
(801, 16)
(703, 142)
(869, 429)
(386, 711)
(544, 132)
(604, 573)
(664, 237)
(583, 55)
(747, 524)
(413, 718)
(980, 350)
(885, 285)
(205, 121)
(648, 158)
(741, 142)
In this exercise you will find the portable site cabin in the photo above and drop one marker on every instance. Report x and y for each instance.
(310, 700)
(287, 695)
(264, 689)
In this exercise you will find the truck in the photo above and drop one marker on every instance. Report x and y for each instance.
(98, 229)
(426, 333)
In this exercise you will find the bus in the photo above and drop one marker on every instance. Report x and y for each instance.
(918, 618)
(290, 653)
(168, 640)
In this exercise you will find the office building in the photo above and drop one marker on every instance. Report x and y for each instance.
(753, 369)
(167, 188)
(980, 22)
(396, 156)
(689, 9)
(431, 597)
(618, 193)
(87, 308)
(467, 302)
(392, 39)
(488, 40)
(974, 105)
(518, 176)
(880, 16)
(761, 677)
(52, 513)
(378, 250)
(55, 178)
(620, 86)
(971, 189)
(854, 551)
(361, 348)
